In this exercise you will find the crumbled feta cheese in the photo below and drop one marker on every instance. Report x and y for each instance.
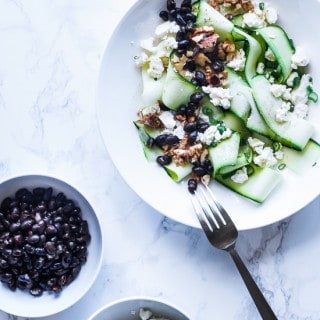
(269, 55)
(158, 47)
(299, 59)
(221, 136)
(271, 15)
(239, 61)
(179, 132)
(265, 156)
(141, 59)
(258, 18)
(176, 131)
(252, 20)
(156, 67)
(165, 28)
(282, 113)
(168, 120)
(280, 91)
(301, 110)
(260, 68)
(291, 78)
(240, 175)
(165, 47)
(219, 96)
(300, 94)
(265, 159)
(207, 136)
(256, 144)
(147, 44)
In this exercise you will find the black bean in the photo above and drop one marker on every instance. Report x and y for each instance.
(202, 127)
(164, 15)
(26, 224)
(14, 227)
(161, 140)
(14, 214)
(190, 65)
(50, 230)
(66, 259)
(171, 5)
(39, 263)
(6, 223)
(218, 66)
(33, 239)
(5, 204)
(47, 194)
(192, 137)
(21, 192)
(71, 244)
(199, 78)
(189, 17)
(68, 206)
(192, 185)
(199, 171)
(172, 140)
(183, 44)
(4, 264)
(180, 36)
(182, 109)
(190, 109)
(208, 166)
(6, 277)
(197, 97)
(186, 3)
(215, 81)
(164, 160)
(17, 252)
(180, 20)
(190, 127)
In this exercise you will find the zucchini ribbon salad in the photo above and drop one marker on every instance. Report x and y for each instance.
(226, 96)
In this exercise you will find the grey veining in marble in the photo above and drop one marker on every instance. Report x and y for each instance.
(49, 62)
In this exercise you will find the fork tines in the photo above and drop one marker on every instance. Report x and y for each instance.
(209, 212)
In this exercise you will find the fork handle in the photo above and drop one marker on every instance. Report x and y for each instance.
(257, 296)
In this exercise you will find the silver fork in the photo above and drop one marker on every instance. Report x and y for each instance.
(222, 234)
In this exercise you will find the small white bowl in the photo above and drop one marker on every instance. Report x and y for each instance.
(22, 303)
(128, 309)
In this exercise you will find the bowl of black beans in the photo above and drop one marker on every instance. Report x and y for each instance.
(50, 246)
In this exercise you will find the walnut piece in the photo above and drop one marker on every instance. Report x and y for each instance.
(226, 50)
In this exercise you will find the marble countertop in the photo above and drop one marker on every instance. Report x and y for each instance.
(49, 62)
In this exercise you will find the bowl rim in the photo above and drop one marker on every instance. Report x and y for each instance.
(137, 298)
(98, 225)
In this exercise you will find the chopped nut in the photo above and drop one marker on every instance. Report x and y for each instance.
(226, 50)
(179, 64)
(205, 37)
(191, 154)
(151, 120)
(201, 59)
(233, 7)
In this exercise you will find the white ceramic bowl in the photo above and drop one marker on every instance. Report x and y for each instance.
(128, 309)
(23, 304)
(120, 84)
